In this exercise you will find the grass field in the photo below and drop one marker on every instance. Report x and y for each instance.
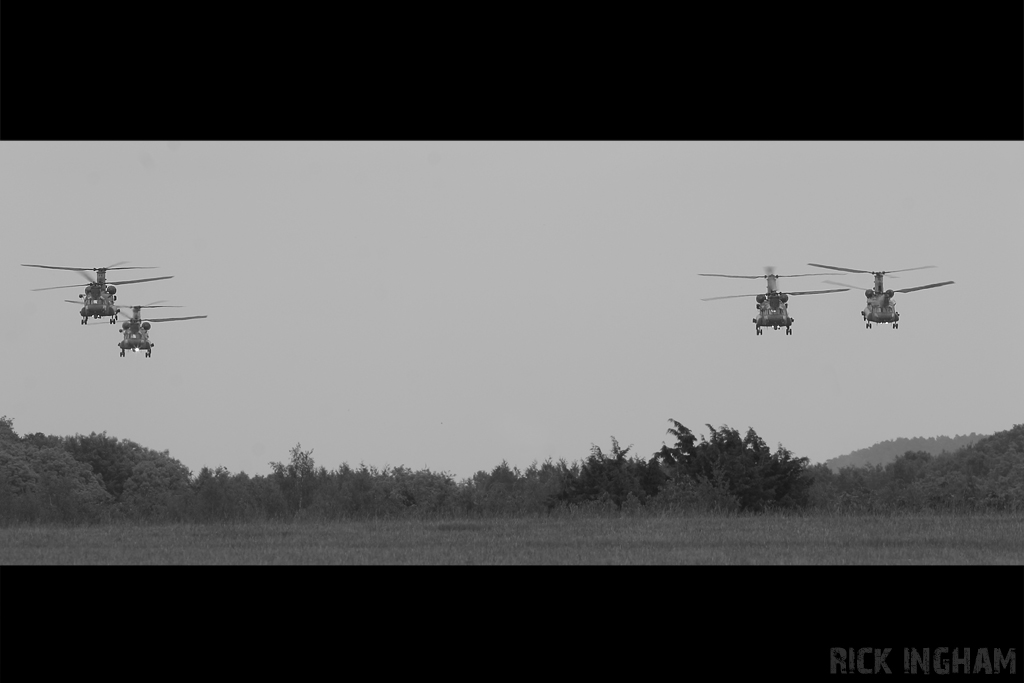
(767, 539)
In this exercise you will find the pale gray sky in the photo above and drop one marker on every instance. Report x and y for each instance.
(452, 304)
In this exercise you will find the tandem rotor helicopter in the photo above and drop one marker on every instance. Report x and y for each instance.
(773, 306)
(880, 308)
(136, 330)
(98, 300)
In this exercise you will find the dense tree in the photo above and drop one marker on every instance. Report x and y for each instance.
(158, 489)
(745, 466)
(297, 478)
(47, 484)
(111, 459)
(219, 495)
(987, 474)
(7, 433)
(542, 484)
(92, 478)
(268, 497)
(614, 477)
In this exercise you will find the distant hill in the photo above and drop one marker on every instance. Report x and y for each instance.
(886, 451)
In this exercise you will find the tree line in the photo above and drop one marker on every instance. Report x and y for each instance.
(884, 452)
(98, 478)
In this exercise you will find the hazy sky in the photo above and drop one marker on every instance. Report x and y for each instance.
(453, 304)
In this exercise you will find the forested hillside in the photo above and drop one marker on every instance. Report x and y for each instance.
(986, 475)
(885, 452)
(98, 478)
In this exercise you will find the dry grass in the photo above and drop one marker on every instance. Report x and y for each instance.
(625, 539)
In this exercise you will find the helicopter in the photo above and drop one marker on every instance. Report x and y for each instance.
(98, 300)
(880, 308)
(136, 330)
(773, 306)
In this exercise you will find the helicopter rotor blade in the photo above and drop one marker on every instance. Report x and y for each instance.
(119, 264)
(848, 270)
(734, 296)
(147, 306)
(93, 281)
(914, 289)
(167, 320)
(903, 270)
(869, 272)
(43, 289)
(802, 275)
(755, 277)
(36, 265)
(148, 279)
(85, 271)
(819, 291)
(842, 284)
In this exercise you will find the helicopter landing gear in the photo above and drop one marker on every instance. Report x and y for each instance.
(867, 326)
(149, 353)
(895, 326)
(789, 331)
(757, 330)
(122, 353)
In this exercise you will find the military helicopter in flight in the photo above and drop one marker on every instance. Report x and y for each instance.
(880, 307)
(773, 306)
(136, 330)
(98, 300)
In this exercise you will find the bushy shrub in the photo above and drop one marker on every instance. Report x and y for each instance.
(700, 494)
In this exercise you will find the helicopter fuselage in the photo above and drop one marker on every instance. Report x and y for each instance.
(97, 308)
(880, 309)
(136, 338)
(773, 312)
(880, 314)
(773, 317)
(98, 302)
